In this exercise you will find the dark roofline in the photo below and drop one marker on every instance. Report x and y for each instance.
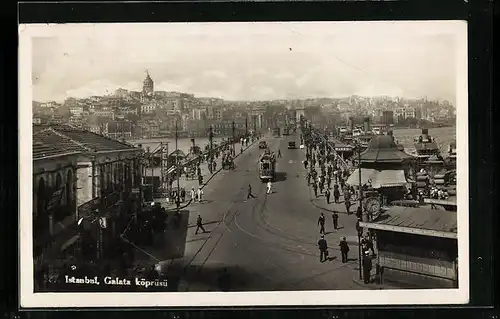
(408, 230)
(55, 156)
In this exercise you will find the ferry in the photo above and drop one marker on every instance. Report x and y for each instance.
(426, 146)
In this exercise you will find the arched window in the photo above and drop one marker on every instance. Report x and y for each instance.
(69, 186)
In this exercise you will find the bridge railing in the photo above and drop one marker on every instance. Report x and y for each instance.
(343, 164)
(197, 158)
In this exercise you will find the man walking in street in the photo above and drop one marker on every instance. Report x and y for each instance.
(335, 218)
(321, 223)
(327, 196)
(323, 249)
(200, 194)
(344, 249)
(249, 194)
(348, 206)
(315, 188)
(269, 186)
(199, 225)
(336, 193)
(193, 194)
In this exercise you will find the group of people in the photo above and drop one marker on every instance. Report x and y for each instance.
(317, 153)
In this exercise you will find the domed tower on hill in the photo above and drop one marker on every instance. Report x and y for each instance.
(148, 85)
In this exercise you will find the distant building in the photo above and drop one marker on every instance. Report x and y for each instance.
(148, 85)
(119, 129)
(76, 110)
(388, 117)
(121, 93)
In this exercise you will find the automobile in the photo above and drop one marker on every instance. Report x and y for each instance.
(291, 145)
(262, 145)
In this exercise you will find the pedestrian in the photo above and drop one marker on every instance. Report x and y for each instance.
(315, 188)
(249, 194)
(335, 218)
(279, 153)
(336, 193)
(200, 194)
(323, 249)
(193, 194)
(309, 178)
(200, 180)
(305, 163)
(344, 249)
(329, 181)
(199, 225)
(359, 212)
(327, 196)
(367, 267)
(215, 165)
(269, 186)
(348, 206)
(321, 223)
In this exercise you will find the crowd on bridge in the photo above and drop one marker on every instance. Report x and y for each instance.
(324, 167)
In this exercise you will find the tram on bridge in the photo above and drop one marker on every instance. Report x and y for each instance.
(267, 166)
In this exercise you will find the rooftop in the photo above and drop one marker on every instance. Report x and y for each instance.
(383, 149)
(47, 143)
(422, 221)
(76, 138)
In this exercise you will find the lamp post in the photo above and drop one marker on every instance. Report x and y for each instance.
(234, 137)
(360, 197)
(210, 155)
(246, 126)
(178, 198)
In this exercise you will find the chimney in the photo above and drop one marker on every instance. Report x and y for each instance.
(351, 123)
(366, 124)
(193, 143)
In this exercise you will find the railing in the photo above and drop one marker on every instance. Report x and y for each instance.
(193, 160)
(343, 163)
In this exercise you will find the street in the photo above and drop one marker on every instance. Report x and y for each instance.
(270, 242)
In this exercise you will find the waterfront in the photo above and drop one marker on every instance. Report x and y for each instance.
(444, 136)
(183, 144)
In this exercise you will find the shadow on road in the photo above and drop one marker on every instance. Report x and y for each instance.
(223, 278)
(204, 224)
(280, 177)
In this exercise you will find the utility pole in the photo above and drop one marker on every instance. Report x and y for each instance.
(360, 231)
(162, 181)
(234, 137)
(246, 126)
(210, 154)
(178, 199)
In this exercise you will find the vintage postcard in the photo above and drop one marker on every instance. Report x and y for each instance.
(243, 164)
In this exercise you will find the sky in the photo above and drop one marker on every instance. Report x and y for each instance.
(247, 61)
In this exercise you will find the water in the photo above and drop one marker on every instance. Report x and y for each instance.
(184, 144)
(444, 136)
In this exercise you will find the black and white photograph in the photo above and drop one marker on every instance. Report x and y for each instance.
(243, 164)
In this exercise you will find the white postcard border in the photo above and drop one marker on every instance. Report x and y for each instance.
(28, 299)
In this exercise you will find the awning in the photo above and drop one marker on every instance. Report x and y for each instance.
(389, 178)
(379, 179)
(366, 174)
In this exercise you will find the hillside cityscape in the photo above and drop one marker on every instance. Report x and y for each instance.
(126, 114)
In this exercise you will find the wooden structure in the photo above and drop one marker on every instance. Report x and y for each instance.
(417, 247)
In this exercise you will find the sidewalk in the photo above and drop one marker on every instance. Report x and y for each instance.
(173, 243)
